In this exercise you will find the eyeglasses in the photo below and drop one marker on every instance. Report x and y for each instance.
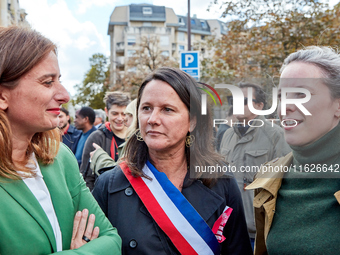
(245, 101)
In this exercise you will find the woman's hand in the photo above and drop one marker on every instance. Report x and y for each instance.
(96, 146)
(79, 232)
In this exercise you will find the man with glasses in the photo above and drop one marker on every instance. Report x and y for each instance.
(250, 143)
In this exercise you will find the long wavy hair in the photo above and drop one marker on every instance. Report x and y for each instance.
(21, 49)
(202, 151)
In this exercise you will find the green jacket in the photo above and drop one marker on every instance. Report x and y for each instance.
(24, 226)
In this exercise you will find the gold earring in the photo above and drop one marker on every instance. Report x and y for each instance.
(138, 135)
(189, 140)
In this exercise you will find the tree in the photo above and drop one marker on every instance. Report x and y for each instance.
(95, 84)
(267, 31)
(212, 68)
(147, 58)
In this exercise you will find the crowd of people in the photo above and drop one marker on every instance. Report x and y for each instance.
(127, 185)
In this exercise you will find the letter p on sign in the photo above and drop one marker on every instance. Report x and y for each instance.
(188, 59)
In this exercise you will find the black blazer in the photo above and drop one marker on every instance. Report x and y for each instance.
(141, 234)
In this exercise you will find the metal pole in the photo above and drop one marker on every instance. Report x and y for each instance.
(189, 27)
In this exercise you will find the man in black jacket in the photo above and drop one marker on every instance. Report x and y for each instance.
(109, 136)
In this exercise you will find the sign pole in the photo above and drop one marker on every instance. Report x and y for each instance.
(189, 27)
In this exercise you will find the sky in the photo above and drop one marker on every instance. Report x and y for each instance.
(79, 28)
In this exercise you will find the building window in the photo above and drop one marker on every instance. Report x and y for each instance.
(131, 53)
(202, 37)
(165, 53)
(147, 24)
(193, 22)
(147, 11)
(181, 21)
(131, 40)
(203, 24)
(164, 40)
(181, 36)
(180, 47)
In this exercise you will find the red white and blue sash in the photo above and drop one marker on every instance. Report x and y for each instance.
(173, 213)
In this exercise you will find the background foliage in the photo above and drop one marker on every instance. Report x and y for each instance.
(146, 59)
(263, 33)
(95, 84)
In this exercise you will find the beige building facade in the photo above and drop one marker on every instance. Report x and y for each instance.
(128, 24)
(11, 13)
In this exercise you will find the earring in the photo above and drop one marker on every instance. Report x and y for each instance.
(138, 135)
(189, 140)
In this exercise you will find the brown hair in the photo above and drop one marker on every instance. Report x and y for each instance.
(21, 49)
(202, 152)
(116, 98)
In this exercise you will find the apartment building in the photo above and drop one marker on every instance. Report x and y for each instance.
(11, 13)
(128, 24)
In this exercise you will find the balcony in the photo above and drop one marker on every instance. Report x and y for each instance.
(148, 30)
(120, 61)
(120, 47)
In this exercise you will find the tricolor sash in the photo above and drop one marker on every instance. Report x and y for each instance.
(172, 212)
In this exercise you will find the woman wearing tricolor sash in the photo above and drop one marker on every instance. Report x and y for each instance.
(158, 197)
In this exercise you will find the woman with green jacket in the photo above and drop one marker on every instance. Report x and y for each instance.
(45, 206)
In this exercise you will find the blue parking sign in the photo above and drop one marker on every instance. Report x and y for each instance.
(192, 72)
(189, 63)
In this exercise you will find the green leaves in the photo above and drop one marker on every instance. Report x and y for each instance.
(262, 33)
(148, 57)
(92, 90)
